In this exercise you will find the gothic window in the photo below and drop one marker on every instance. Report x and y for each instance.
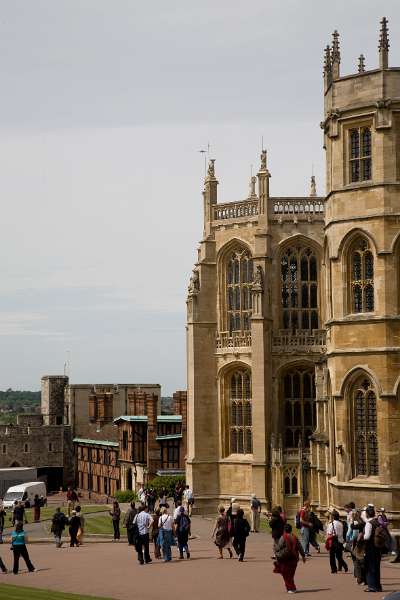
(365, 430)
(238, 291)
(360, 154)
(290, 481)
(299, 289)
(362, 277)
(240, 425)
(299, 407)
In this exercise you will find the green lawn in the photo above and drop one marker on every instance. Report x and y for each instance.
(102, 524)
(16, 592)
(46, 514)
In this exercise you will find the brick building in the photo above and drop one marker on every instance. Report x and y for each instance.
(148, 444)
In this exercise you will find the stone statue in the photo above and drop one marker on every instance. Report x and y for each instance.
(211, 167)
(253, 182)
(258, 277)
(194, 283)
(263, 157)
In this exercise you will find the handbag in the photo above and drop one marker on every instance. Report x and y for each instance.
(330, 539)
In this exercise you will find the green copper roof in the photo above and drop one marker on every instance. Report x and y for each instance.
(132, 418)
(170, 436)
(95, 442)
(169, 418)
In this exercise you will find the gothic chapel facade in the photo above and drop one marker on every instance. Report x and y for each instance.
(293, 319)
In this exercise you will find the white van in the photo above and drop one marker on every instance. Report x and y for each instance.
(25, 492)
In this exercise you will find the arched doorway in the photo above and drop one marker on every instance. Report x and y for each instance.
(129, 479)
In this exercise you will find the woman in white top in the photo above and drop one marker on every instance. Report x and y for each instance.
(334, 532)
(165, 535)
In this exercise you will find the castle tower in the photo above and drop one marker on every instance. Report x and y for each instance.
(52, 399)
(362, 140)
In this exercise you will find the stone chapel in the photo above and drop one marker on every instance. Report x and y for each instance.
(293, 319)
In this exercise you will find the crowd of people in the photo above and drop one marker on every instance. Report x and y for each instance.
(362, 535)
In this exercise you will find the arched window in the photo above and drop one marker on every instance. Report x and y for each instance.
(239, 279)
(365, 430)
(241, 441)
(290, 480)
(299, 289)
(361, 269)
(360, 154)
(299, 407)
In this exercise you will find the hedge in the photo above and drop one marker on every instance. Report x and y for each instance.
(168, 482)
(126, 496)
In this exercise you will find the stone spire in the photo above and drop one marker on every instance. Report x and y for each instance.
(263, 186)
(361, 63)
(335, 55)
(313, 187)
(209, 196)
(252, 187)
(327, 67)
(384, 45)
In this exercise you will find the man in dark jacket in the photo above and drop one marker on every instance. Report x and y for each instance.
(128, 523)
(240, 533)
(58, 524)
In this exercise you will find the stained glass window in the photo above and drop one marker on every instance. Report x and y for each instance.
(362, 277)
(366, 434)
(299, 289)
(241, 421)
(360, 154)
(299, 407)
(238, 293)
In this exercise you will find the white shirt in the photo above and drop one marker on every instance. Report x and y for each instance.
(143, 521)
(336, 528)
(177, 511)
(188, 494)
(166, 522)
(368, 529)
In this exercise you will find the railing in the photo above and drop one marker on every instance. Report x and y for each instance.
(226, 339)
(303, 207)
(234, 210)
(287, 341)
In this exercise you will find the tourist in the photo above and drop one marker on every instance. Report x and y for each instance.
(116, 517)
(154, 533)
(151, 500)
(372, 552)
(72, 499)
(334, 543)
(287, 550)
(177, 509)
(255, 510)
(81, 530)
(36, 508)
(58, 524)
(162, 502)
(18, 545)
(277, 525)
(316, 527)
(2, 520)
(188, 499)
(18, 515)
(231, 513)
(128, 522)
(143, 522)
(182, 529)
(306, 527)
(358, 548)
(165, 534)
(221, 533)
(74, 525)
(240, 533)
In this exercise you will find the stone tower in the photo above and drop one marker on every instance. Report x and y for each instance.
(52, 402)
(361, 255)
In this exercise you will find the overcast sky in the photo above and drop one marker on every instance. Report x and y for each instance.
(104, 105)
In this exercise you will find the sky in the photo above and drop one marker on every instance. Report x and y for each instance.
(104, 106)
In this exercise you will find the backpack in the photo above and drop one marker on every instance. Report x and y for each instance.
(183, 523)
(297, 520)
(382, 539)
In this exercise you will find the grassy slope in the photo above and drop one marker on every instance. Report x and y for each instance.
(46, 514)
(16, 592)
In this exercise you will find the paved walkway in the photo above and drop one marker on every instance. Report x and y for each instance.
(112, 570)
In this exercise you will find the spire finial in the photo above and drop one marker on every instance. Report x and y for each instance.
(252, 187)
(211, 169)
(384, 44)
(327, 59)
(361, 63)
(263, 158)
(313, 187)
(335, 55)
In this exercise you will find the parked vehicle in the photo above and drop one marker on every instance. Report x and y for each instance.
(24, 492)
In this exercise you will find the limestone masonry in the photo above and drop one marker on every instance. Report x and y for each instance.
(293, 318)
